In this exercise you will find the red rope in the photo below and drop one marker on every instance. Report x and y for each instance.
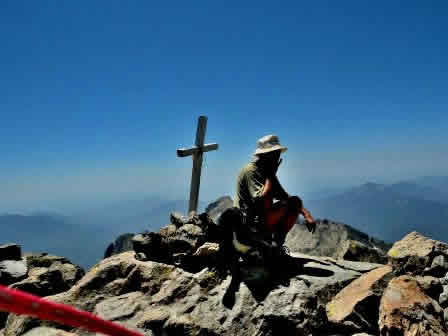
(22, 303)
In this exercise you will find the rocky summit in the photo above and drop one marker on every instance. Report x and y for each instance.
(337, 240)
(173, 282)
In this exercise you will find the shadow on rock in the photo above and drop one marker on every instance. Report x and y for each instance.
(262, 279)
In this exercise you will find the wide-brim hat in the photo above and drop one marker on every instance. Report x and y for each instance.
(269, 143)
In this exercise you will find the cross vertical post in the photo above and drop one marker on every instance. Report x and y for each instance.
(197, 156)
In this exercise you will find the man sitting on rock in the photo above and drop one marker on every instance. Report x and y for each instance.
(257, 187)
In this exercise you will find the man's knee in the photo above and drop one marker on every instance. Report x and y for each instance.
(295, 204)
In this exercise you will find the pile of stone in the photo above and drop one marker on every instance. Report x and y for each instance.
(38, 274)
(188, 242)
(146, 291)
(409, 296)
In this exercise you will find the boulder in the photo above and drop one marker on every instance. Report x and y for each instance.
(406, 310)
(359, 251)
(207, 249)
(168, 230)
(215, 209)
(430, 285)
(70, 273)
(177, 219)
(42, 275)
(172, 244)
(12, 271)
(439, 266)
(10, 252)
(186, 239)
(121, 244)
(355, 308)
(443, 297)
(47, 331)
(338, 241)
(43, 281)
(151, 245)
(162, 299)
(415, 254)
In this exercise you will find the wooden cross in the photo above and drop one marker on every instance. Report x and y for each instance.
(196, 152)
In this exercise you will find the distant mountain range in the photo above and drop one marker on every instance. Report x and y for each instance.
(83, 237)
(390, 211)
(384, 211)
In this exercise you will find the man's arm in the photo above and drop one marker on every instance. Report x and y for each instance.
(279, 193)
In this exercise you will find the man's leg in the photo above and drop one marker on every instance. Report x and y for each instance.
(282, 217)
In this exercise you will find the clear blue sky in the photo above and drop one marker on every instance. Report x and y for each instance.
(96, 96)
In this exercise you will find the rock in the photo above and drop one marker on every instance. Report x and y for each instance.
(358, 251)
(46, 331)
(444, 280)
(152, 246)
(406, 310)
(431, 286)
(415, 253)
(12, 271)
(439, 266)
(162, 299)
(443, 298)
(121, 244)
(186, 239)
(10, 252)
(168, 231)
(70, 272)
(207, 249)
(338, 241)
(355, 308)
(215, 209)
(48, 275)
(109, 251)
(177, 219)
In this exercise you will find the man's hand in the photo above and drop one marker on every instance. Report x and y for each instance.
(307, 215)
(309, 220)
(311, 226)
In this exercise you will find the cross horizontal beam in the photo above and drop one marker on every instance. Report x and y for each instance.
(182, 152)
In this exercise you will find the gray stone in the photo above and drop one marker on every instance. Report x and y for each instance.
(121, 244)
(355, 308)
(444, 280)
(12, 271)
(338, 241)
(215, 209)
(48, 275)
(415, 254)
(406, 310)
(177, 219)
(152, 246)
(443, 298)
(439, 266)
(47, 331)
(430, 285)
(165, 300)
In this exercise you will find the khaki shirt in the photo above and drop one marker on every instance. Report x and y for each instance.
(250, 184)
